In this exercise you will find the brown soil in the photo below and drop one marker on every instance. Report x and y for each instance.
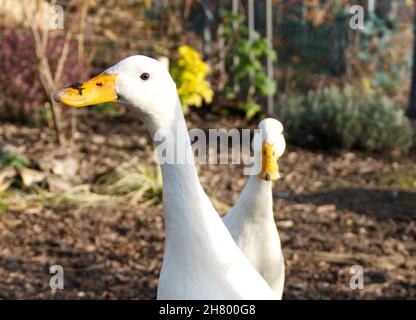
(333, 210)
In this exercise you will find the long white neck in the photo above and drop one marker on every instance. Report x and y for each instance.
(190, 218)
(256, 200)
(252, 226)
(183, 194)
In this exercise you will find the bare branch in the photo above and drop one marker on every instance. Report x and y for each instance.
(62, 58)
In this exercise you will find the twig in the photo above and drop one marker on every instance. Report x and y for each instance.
(62, 58)
(81, 59)
(44, 69)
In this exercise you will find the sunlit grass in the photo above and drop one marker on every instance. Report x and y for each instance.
(80, 196)
(130, 184)
(134, 184)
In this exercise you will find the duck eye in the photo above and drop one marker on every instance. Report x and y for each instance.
(145, 76)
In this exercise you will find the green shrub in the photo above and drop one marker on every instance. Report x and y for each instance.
(249, 74)
(342, 117)
(10, 158)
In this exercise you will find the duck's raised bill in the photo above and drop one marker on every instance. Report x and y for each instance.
(99, 89)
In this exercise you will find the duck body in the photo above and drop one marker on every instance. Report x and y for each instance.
(251, 224)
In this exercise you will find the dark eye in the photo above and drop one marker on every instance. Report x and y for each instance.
(145, 76)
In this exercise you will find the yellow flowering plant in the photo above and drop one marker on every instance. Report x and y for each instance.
(190, 73)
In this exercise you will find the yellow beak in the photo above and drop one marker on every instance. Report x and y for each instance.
(99, 89)
(270, 167)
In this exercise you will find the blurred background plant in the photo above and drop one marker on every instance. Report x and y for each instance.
(247, 80)
(13, 159)
(346, 81)
(344, 118)
(23, 184)
(36, 59)
(190, 73)
(132, 183)
(380, 58)
(23, 97)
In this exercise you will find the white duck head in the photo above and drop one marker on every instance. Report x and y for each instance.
(271, 145)
(139, 82)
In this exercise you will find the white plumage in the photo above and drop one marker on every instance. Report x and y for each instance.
(201, 259)
(251, 222)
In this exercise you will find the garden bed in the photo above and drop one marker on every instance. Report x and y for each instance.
(333, 210)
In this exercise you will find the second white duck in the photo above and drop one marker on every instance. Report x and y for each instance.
(250, 221)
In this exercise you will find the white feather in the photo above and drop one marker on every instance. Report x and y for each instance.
(251, 221)
(201, 259)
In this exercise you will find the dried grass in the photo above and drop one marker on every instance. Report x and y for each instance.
(131, 184)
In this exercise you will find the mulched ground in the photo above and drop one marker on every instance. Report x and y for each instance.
(333, 210)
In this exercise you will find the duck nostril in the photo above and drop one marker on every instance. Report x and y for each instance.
(99, 84)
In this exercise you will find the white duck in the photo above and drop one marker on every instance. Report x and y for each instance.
(201, 259)
(250, 221)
